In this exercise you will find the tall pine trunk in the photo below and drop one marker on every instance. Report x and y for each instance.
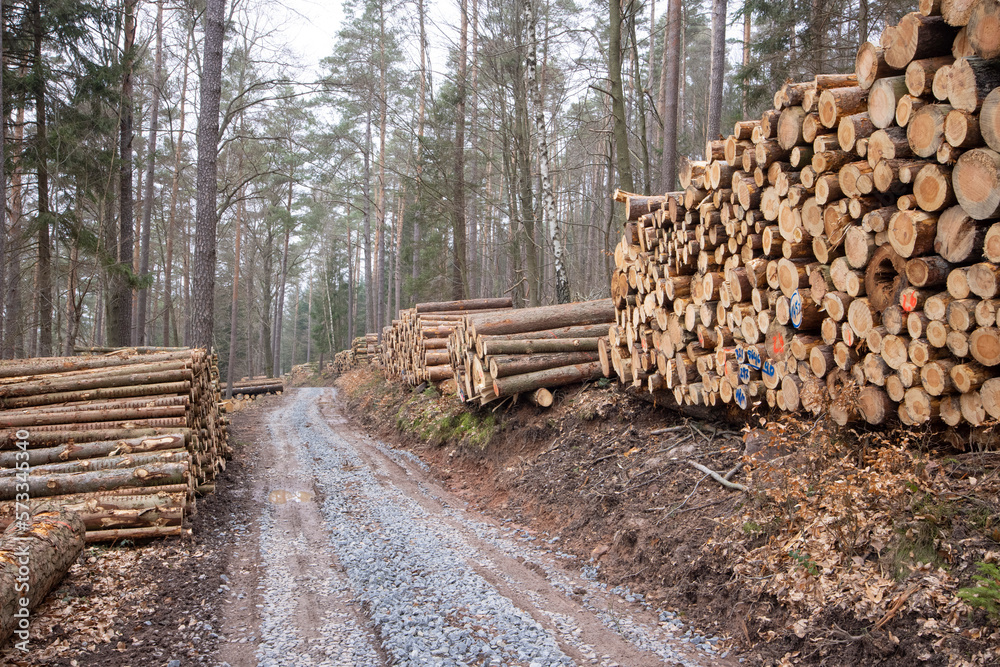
(44, 268)
(206, 216)
(458, 280)
(718, 70)
(382, 205)
(169, 321)
(234, 310)
(619, 126)
(671, 91)
(366, 192)
(147, 209)
(119, 288)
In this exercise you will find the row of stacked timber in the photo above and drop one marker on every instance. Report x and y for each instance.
(527, 351)
(256, 386)
(415, 345)
(365, 348)
(841, 253)
(124, 439)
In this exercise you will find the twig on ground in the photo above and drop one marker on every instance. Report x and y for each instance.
(661, 431)
(729, 475)
(717, 477)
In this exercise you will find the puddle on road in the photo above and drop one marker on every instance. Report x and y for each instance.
(280, 497)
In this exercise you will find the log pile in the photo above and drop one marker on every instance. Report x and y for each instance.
(124, 439)
(256, 386)
(842, 252)
(415, 345)
(364, 350)
(527, 351)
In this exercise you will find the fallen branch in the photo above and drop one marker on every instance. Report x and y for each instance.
(717, 477)
(669, 429)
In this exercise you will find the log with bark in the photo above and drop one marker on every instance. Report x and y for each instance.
(35, 554)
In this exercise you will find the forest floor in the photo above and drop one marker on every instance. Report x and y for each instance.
(849, 548)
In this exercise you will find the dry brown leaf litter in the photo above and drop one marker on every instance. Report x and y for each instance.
(865, 523)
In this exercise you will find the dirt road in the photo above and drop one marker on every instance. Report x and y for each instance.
(349, 553)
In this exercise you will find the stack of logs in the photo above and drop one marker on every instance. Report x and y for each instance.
(840, 253)
(125, 439)
(528, 351)
(415, 346)
(256, 386)
(365, 348)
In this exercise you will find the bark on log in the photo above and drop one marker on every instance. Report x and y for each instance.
(49, 541)
(58, 484)
(970, 81)
(519, 364)
(542, 318)
(554, 377)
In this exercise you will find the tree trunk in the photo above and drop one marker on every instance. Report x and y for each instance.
(234, 310)
(421, 111)
(44, 270)
(458, 281)
(548, 199)
(370, 288)
(718, 70)
(619, 121)
(640, 102)
(119, 320)
(3, 208)
(672, 58)
(203, 285)
(168, 261)
(147, 210)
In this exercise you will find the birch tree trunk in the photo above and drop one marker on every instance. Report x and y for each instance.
(548, 200)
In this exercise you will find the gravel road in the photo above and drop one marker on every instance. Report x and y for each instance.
(356, 556)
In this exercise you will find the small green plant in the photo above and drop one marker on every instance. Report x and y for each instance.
(602, 382)
(807, 563)
(752, 528)
(987, 594)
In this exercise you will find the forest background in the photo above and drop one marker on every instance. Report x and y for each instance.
(441, 149)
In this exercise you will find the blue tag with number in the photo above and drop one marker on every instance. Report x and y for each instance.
(795, 309)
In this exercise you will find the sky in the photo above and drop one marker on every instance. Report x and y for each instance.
(310, 28)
